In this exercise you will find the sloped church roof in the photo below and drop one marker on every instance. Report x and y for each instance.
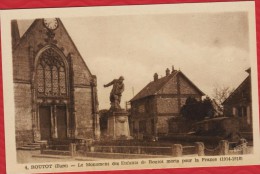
(36, 36)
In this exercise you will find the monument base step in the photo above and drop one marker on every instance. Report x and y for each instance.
(56, 152)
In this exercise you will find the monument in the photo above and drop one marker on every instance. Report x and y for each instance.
(118, 125)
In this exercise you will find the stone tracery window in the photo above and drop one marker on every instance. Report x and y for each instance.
(40, 73)
(62, 81)
(55, 80)
(51, 74)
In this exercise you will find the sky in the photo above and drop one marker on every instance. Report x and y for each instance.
(211, 49)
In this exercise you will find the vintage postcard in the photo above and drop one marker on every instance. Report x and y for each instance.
(130, 87)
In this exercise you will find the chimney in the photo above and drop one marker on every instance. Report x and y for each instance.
(155, 76)
(167, 72)
(15, 32)
(173, 69)
(248, 71)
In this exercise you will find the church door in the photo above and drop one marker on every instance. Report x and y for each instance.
(45, 122)
(53, 94)
(61, 121)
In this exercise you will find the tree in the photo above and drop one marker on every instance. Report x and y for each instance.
(190, 109)
(194, 110)
(221, 93)
(208, 109)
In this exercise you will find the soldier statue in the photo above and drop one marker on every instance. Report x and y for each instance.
(116, 92)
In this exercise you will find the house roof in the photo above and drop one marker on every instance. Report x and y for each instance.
(242, 85)
(153, 87)
(237, 90)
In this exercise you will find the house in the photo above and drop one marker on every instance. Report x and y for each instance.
(55, 93)
(155, 110)
(239, 104)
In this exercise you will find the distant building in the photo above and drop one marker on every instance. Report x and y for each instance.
(55, 94)
(155, 110)
(239, 104)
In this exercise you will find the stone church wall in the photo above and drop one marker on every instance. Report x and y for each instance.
(23, 115)
(83, 114)
(24, 54)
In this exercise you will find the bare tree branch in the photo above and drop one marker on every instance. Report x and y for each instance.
(221, 93)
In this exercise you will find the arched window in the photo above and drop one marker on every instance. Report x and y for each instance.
(51, 74)
(55, 80)
(62, 81)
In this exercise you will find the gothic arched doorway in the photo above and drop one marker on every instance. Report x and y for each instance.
(51, 93)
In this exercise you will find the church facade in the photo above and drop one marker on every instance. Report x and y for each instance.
(55, 93)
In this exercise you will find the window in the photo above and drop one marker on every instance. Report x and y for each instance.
(40, 73)
(51, 74)
(241, 111)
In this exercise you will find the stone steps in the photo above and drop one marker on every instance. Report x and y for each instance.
(28, 148)
(51, 156)
(32, 146)
(56, 152)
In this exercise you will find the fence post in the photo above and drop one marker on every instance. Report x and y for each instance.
(139, 150)
(43, 147)
(199, 148)
(243, 142)
(177, 150)
(86, 148)
(72, 149)
(224, 147)
(92, 149)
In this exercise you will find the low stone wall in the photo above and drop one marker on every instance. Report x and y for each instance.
(23, 137)
(177, 150)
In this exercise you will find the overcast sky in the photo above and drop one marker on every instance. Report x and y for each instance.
(211, 49)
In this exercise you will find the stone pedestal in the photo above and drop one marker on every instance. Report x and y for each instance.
(36, 135)
(118, 125)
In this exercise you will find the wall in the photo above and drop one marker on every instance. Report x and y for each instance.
(179, 125)
(35, 38)
(170, 87)
(238, 100)
(167, 105)
(83, 114)
(163, 124)
(186, 87)
(142, 112)
(23, 115)
(23, 64)
(143, 108)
